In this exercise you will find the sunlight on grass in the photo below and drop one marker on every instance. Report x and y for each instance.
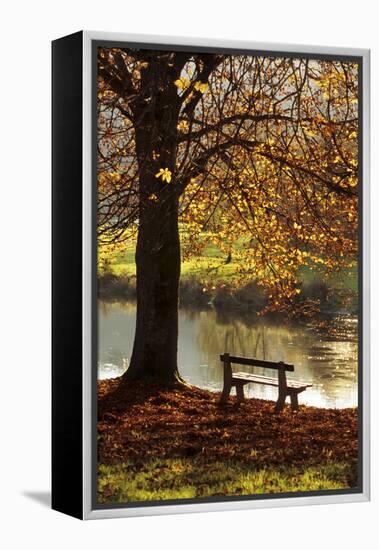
(175, 479)
(212, 262)
(211, 259)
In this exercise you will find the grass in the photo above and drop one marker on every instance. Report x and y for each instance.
(346, 279)
(198, 266)
(202, 266)
(193, 478)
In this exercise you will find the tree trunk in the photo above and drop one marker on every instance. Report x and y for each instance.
(158, 248)
(158, 271)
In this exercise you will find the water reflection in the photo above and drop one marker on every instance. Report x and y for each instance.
(329, 361)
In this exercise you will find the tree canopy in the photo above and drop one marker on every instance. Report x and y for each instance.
(265, 157)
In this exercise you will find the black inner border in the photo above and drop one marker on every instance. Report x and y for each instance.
(95, 44)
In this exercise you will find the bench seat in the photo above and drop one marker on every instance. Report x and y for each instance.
(290, 388)
(268, 381)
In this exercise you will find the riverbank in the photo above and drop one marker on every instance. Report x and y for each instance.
(180, 443)
(208, 279)
(315, 298)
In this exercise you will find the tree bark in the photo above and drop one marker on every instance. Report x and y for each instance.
(158, 247)
(158, 271)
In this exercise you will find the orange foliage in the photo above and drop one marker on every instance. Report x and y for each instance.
(266, 163)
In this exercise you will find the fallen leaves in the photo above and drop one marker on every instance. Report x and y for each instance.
(145, 422)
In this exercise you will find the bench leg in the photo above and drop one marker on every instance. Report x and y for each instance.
(240, 394)
(225, 393)
(294, 401)
(280, 402)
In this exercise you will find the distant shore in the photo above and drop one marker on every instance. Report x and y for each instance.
(320, 299)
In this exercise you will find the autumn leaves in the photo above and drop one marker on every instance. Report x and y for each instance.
(182, 83)
(265, 163)
(165, 174)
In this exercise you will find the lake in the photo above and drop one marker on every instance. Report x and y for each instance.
(328, 360)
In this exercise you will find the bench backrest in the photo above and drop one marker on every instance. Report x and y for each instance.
(279, 366)
(256, 362)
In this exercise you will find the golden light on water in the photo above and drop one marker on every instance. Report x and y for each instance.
(328, 360)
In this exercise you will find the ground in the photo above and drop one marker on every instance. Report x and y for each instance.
(211, 261)
(156, 444)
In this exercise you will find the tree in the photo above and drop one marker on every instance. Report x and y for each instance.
(262, 149)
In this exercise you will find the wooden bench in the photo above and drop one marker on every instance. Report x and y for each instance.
(286, 387)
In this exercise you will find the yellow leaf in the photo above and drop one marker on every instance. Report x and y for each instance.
(165, 174)
(115, 176)
(201, 86)
(182, 83)
(183, 125)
